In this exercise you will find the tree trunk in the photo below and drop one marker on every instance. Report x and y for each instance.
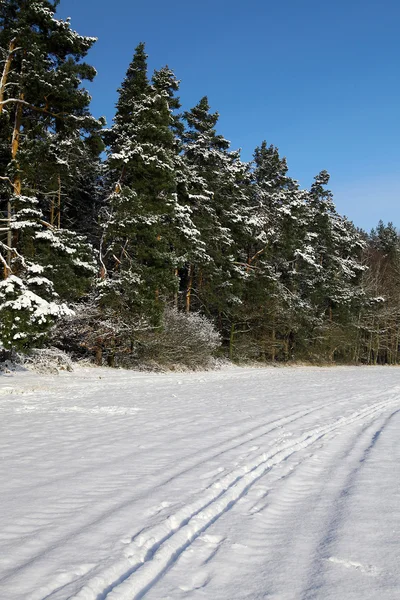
(176, 292)
(273, 341)
(52, 212)
(59, 203)
(99, 356)
(263, 348)
(6, 70)
(17, 180)
(15, 138)
(232, 342)
(356, 353)
(189, 288)
(55, 211)
(286, 348)
(377, 345)
(369, 361)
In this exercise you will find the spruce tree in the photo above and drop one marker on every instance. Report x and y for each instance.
(331, 268)
(144, 221)
(219, 204)
(271, 305)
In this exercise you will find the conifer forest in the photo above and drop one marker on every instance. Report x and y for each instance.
(150, 241)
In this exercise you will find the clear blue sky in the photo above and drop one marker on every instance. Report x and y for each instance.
(320, 80)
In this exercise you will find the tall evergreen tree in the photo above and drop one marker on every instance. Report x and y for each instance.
(144, 219)
(45, 123)
(331, 268)
(271, 306)
(379, 317)
(219, 204)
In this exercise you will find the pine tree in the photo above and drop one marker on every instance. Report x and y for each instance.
(272, 304)
(379, 317)
(331, 268)
(142, 224)
(218, 202)
(40, 97)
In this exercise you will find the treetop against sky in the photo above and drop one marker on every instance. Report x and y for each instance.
(318, 80)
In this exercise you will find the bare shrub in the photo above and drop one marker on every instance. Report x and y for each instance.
(187, 339)
(48, 361)
(106, 338)
(98, 335)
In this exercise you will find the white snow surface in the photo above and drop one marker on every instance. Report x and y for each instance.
(276, 483)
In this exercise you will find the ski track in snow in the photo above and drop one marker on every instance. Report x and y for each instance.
(246, 484)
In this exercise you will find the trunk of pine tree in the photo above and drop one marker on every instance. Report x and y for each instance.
(273, 340)
(189, 288)
(263, 348)
(6, 70)
(111, 355)
(391, 346)
(59, 203)
(157, 293)
(6, 268)
(389, 353)
(7, 272)
(99, 356)
(176, 273)
(377, 345)
(55, 207)
(15, 141)
(52, 211)
(199, 282)
(286, 348)
(356, 354)
(232, 342)
(370, 346)
(396, 352)
(17, 180)
(394, 344)
(331, 350)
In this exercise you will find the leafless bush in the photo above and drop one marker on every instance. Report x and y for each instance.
(187, 339)
(99, 335)
(48, 361)
(181, 339)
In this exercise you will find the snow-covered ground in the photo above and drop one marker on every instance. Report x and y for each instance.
(239, 484)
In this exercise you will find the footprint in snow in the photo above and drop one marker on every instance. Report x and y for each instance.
(349, 564)
(155, 510)
(241, 548)
(211, 539)
(217, 471)
(210, 546)
(198, 581)
(246, 453)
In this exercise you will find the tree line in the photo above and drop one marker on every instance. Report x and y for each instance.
(104, 256)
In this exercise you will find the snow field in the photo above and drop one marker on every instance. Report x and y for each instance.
(236, 484)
